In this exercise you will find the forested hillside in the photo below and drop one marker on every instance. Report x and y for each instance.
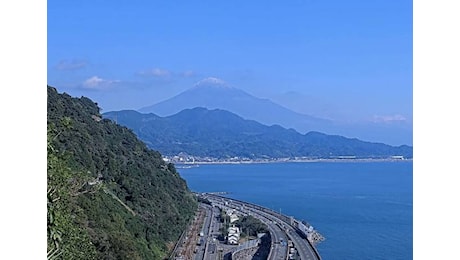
(109, 196)
(222, 134)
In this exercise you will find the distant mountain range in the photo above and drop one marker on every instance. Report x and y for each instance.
(213, 93)
(222, 134)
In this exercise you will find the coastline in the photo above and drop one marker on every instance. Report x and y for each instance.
(363, 160)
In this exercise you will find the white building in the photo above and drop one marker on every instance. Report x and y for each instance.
(233, 218)
(233, 235)
(232, 214)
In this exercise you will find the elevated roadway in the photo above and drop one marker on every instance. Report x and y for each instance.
(282, 228)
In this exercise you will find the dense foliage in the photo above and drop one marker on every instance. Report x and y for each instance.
(109, 196)
(221, 134)
(251, 226)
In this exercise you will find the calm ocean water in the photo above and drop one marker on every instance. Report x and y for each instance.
(364, 209)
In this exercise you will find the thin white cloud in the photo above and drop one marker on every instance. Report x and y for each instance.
(389, 118)
(156, 72)
(98, 83)
(188, 74)
(71, 64)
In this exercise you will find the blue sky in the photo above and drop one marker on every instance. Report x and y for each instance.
(31, 55)
(344, 60)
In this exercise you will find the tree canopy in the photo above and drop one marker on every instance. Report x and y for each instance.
(109, 196)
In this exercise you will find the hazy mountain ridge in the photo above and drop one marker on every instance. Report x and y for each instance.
(234, 100)
(214, 94)
(222, 134)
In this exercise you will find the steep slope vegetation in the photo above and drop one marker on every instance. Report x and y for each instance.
(109, 196)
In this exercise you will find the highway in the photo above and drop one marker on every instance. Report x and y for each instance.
(279, 248)
(303, 247)
(201, 240)
(210, 233)
(281, 228)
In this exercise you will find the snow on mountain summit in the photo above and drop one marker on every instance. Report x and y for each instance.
(212, 82)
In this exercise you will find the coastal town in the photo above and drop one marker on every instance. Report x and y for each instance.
(184, 160)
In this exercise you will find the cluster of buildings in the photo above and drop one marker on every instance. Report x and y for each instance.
(233, 232)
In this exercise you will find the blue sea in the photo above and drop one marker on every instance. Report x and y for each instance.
(363, 209)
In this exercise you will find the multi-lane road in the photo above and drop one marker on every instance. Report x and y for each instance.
(281, 231)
